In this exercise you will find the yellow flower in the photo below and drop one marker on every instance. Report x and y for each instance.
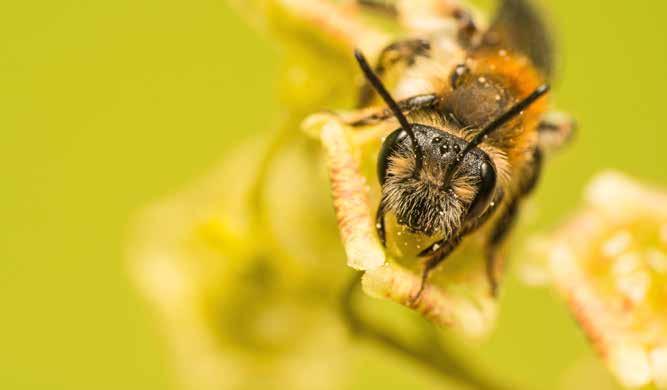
(610, 264)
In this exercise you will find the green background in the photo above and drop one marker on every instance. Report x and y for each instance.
(107, 105)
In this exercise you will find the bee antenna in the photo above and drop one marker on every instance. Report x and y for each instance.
(376, 83)
(504, 118)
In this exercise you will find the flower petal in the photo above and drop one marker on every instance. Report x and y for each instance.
(350, 197)
(608, 262)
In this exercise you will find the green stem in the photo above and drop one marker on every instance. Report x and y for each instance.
(283, 135)
(431, 355)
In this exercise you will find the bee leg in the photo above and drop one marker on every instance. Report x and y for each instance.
(437, 13)
(498, 235)
(533, 175)
(401, 52)
(467, 29)
(555, 130)
(414, 103)
(506, 221)
(447, 9)
(379, 224)
(439, 251)
(379, 6)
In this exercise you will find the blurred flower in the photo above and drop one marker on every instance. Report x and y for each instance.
(610, 264)
(244, 267)
(246, 307)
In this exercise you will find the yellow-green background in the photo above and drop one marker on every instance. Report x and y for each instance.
(106, 105)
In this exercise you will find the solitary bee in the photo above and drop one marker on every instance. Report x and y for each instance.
(473, 129)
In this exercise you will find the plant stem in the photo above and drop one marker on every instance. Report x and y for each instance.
(432, 355)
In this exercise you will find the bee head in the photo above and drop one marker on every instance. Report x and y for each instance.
(434, 181)
(442, 193)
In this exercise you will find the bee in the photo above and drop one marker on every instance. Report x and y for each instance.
(473, 129)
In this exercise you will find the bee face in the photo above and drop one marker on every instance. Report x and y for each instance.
(439, 197)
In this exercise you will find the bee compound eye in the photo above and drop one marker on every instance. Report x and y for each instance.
(485, 190)
(388, 148)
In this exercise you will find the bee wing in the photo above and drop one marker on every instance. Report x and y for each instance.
(519, 25)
